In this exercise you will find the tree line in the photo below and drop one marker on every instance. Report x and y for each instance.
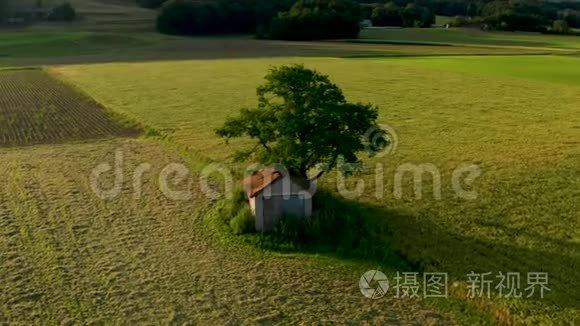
(23, 11)
(335, 19)
(508, 15)
(277, 19)
(391, 14)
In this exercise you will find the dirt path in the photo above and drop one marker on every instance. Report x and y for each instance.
(66, 255)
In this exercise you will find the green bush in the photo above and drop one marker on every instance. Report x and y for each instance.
(64, 12)
(417, 16)
(560, 27)
(337, 226)
(235, 204)
(510, 21)
(572, 17)
(243, 222)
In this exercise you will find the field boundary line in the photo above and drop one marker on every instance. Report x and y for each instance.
(459, 45)
(122, 118)
(194, 157)
(435, 55)
(24, 68)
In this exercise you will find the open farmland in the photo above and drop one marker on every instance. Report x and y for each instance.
(67, 256)
(116, 206)
(25, 44)
(35, 108)
(34, 48)
(520, 126)
(469, 37)
(105, 15)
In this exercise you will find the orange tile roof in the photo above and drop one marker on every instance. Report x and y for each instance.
(254, 184)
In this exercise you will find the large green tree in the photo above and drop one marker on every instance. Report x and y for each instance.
(303, 122)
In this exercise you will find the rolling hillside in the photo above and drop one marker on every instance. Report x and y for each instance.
(118, 15)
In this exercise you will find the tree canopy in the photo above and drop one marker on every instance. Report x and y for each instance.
(387, 15)
(317, 19)
(303, 122)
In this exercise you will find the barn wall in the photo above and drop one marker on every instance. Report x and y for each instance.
(258, 209)
(273, 210)
(277, 199)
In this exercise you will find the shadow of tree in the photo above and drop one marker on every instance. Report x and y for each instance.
(402, 242)
(430, 246)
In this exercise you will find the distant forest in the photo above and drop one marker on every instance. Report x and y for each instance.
(320, 19)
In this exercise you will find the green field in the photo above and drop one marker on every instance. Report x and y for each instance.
(51, 47)
(469, 36)
(70, 257)
(478, 99)
(442, 20)
(520, 125)
(59, 43)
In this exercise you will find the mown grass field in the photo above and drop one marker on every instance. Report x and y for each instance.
(470, 36)
(514, 117)
(69, 257)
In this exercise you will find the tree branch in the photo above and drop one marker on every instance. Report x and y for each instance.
(322, 171)
(263, 143)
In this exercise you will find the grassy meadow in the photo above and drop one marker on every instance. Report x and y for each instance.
(517, 118)
(469, 37)
(505, 102)
(20, 44)
(69, 257)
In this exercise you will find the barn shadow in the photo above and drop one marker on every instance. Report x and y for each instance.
(398, 241)
(430, 246)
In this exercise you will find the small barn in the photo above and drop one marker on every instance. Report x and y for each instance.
(273, 194)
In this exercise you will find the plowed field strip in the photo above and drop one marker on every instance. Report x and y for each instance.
(34, 109)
